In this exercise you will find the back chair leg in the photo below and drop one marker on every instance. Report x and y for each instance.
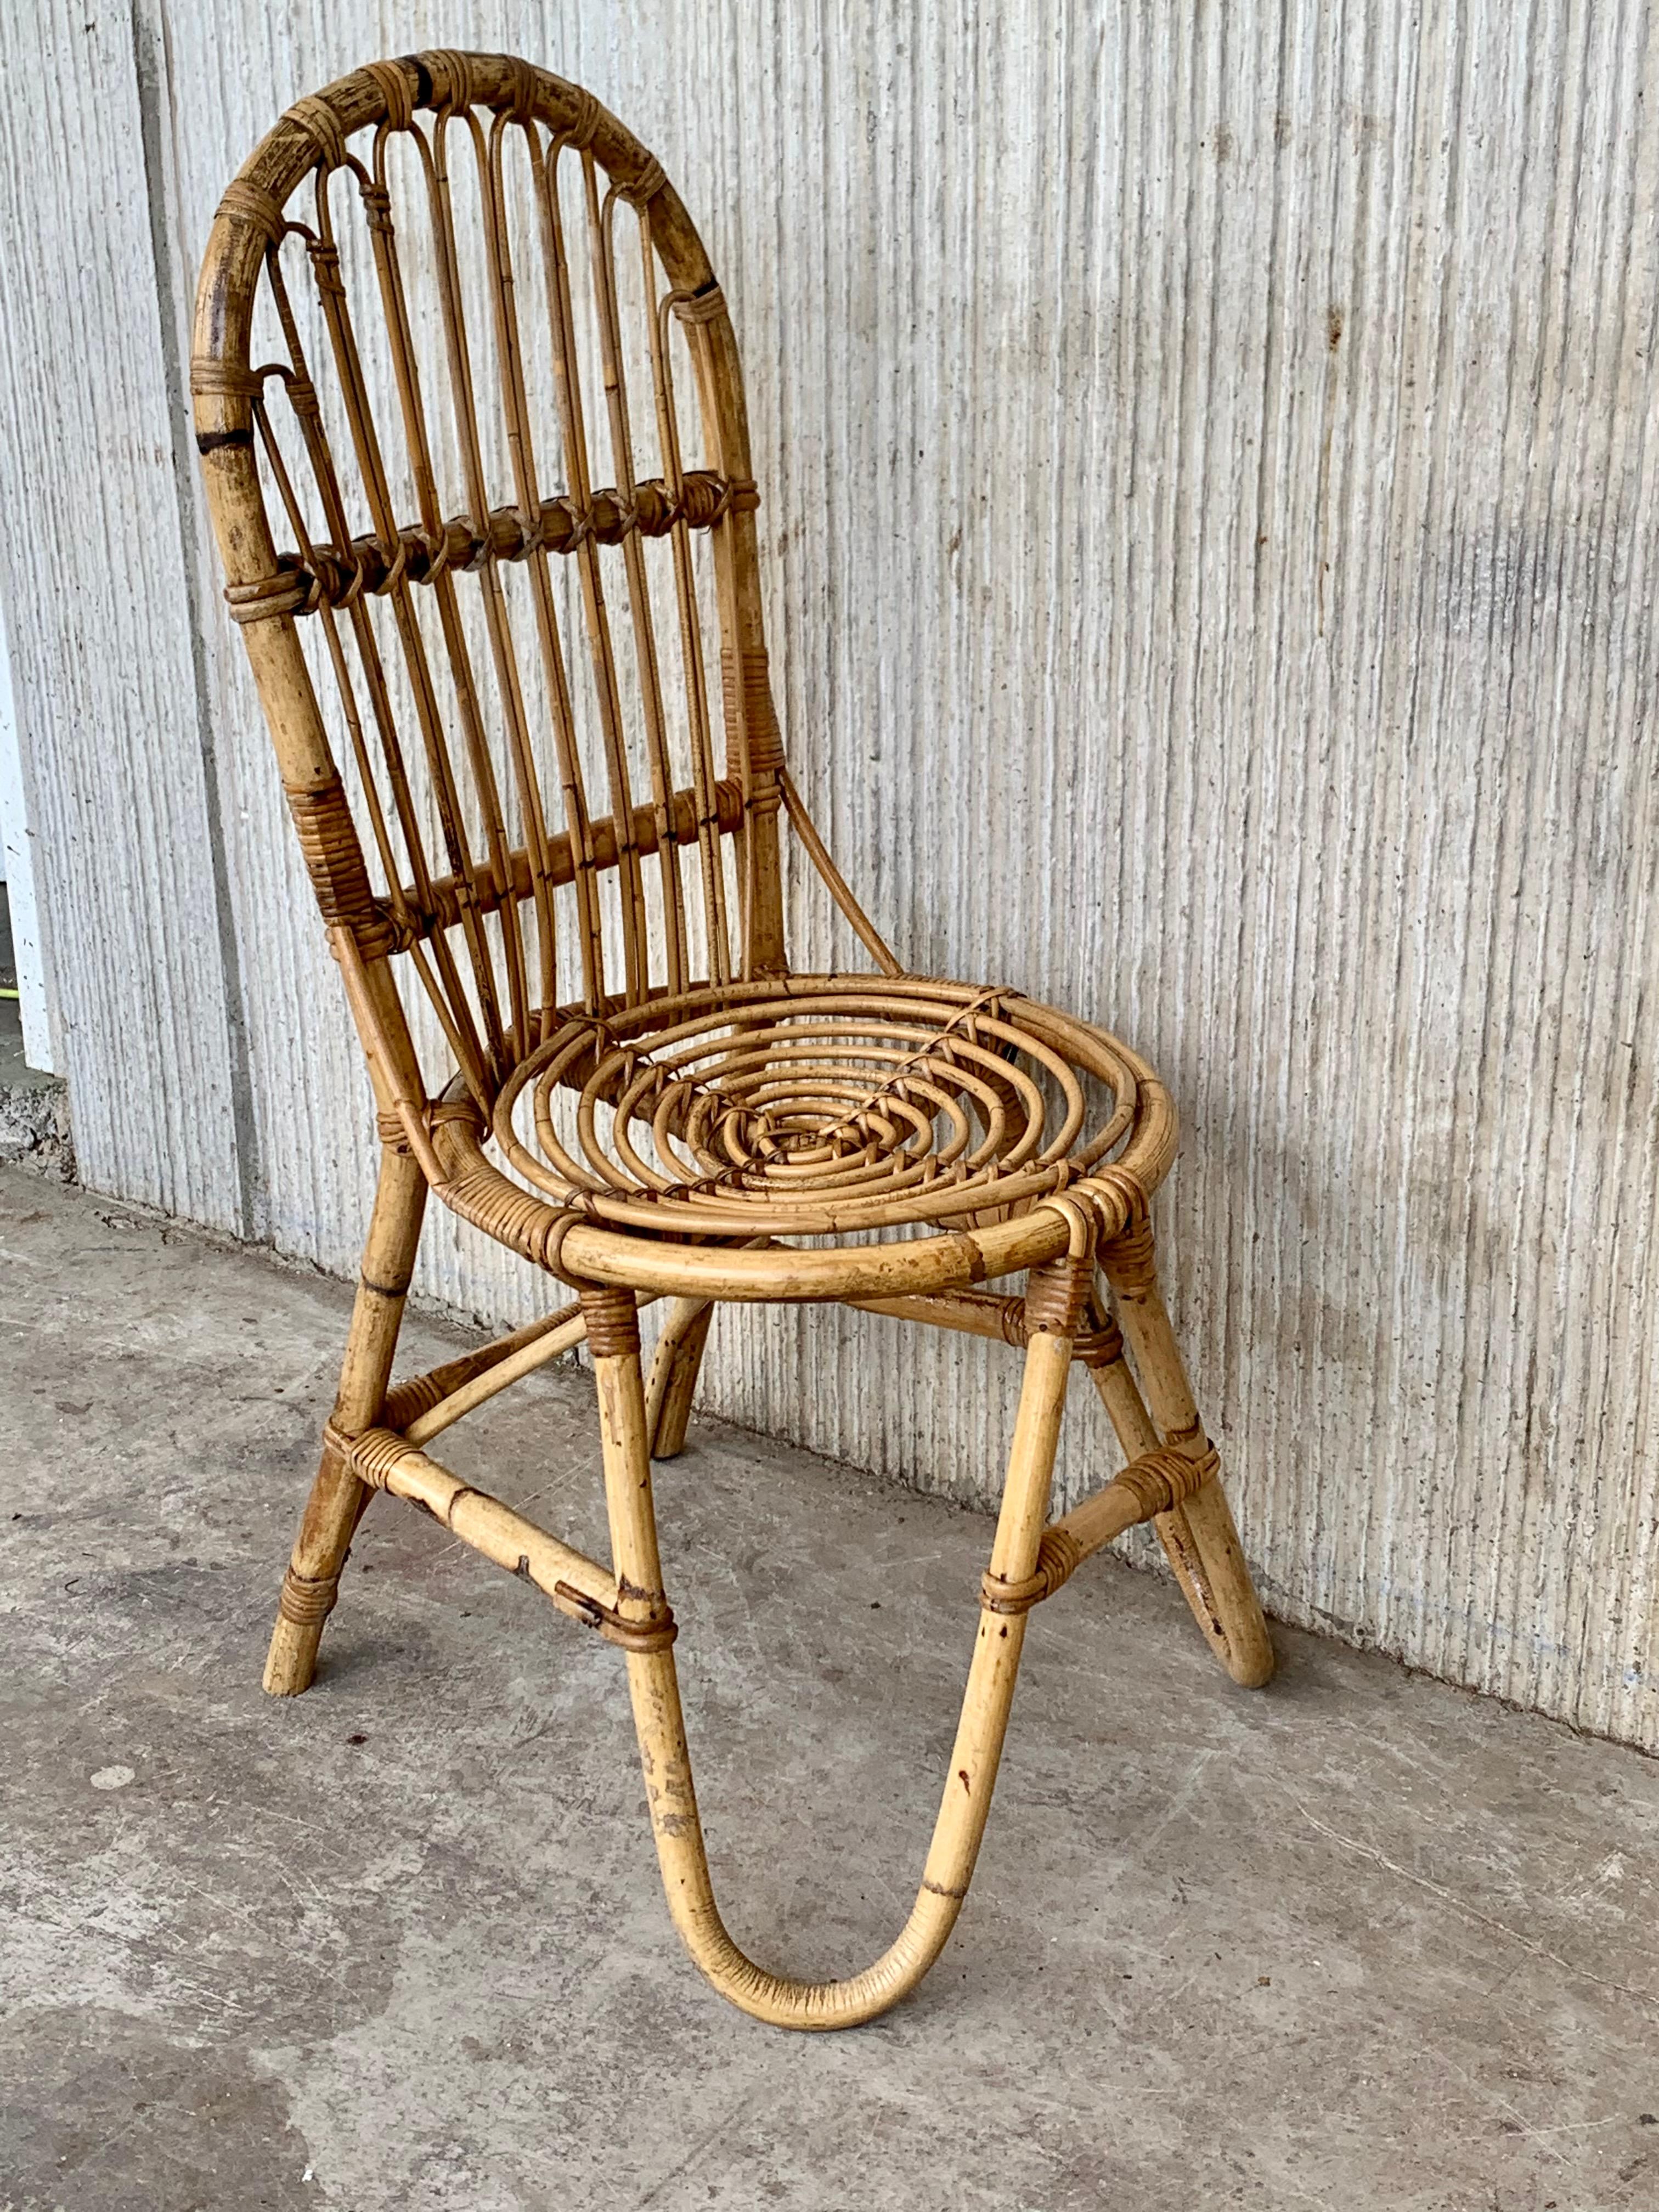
(1198, 1537)
(655, 1687)
(337, 1497)
(674, 1370)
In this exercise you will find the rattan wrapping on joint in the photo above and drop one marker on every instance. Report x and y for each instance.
(1056, 1296)
(334, 859)
(306, 1601)
(613, 1323)
(751, 721)
(372, 1456)
(1129, 1260)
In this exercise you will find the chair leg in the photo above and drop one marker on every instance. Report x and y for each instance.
(655, 1687)
(337, 1497)
(674, 1369)
(1198, 1538)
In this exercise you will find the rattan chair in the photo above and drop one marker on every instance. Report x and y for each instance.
(445, 303)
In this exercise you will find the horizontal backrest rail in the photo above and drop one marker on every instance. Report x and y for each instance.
(327, 577)
(440, 907)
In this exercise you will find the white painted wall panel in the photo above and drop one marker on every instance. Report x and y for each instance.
(101, 633)
(17, 873)
(1210, 498)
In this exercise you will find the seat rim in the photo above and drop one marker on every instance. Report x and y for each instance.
(568, 1240)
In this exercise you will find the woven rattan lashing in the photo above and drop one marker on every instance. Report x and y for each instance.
(471, 420)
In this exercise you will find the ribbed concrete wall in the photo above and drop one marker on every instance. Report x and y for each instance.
(1210, 502)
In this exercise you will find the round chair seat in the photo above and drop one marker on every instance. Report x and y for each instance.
(870, 1110)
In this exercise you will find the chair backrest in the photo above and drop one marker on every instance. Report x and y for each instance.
(485, 567)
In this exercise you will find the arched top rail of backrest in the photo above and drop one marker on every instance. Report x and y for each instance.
(392, 93)
(475, 726)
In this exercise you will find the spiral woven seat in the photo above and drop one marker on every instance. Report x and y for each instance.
(828, 1107)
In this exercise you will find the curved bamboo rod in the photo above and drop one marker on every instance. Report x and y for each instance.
(970, 1779)
(673, 1378)
(836, 884)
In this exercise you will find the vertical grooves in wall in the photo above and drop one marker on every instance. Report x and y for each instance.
(1276, 702)
(100, 625)
(1208, 498)
(152, 85)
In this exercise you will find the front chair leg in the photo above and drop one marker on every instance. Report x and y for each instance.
(1198, 1537)
(613, 1338)
(337, 1497)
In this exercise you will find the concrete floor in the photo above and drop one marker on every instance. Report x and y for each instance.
(1360, 1941)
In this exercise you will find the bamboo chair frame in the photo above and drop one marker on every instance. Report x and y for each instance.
(694, 1107)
